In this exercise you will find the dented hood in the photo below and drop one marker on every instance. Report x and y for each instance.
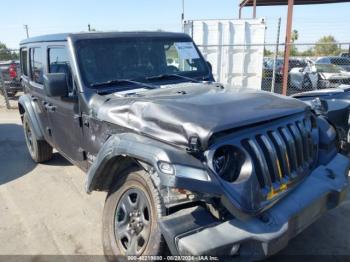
(176, 113)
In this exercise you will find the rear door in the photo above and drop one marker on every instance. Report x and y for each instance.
(32, 62)
(64, 112)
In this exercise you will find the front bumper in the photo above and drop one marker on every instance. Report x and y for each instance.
(194, 231)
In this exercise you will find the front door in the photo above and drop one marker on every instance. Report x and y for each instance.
(64, 111)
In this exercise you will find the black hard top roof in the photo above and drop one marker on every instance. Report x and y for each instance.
(97, 35)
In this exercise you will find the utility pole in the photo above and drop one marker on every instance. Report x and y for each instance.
(287, 48)
(183, 16)
(89, 27)
(27, 30)
(275, 56)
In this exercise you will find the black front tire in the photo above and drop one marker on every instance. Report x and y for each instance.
(39, 150)
(118, 230)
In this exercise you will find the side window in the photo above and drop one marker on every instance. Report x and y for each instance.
(321, 61)
(24, 61)
(36, 65)
(59, 63)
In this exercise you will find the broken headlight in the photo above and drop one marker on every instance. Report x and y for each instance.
(227, 162)
(183, 171)
(320, 106)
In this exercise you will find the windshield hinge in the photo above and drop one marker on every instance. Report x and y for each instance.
(78, 119)
(194, 143)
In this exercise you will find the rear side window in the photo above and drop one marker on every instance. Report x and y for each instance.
(322, 61)
(36, 65)
(59, 62)
(24, 61)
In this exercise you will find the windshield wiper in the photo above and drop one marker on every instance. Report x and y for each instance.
(123, 81)
(167, 76)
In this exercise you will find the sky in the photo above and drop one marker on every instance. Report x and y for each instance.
(47, 16)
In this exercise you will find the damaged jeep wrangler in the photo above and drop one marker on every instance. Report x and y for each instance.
(191, 167)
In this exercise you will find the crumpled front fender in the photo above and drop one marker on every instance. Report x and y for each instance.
(141, 148)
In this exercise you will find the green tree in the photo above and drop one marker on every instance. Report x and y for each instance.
(308, 52)
(267, 52)
(293, 48)
(295, 35)
(327, 46)
(7, 54)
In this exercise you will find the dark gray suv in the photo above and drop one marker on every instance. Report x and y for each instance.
(191, 167)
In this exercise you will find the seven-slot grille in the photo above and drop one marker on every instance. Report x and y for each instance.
(283, 154)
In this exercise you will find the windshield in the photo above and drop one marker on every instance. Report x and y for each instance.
(328, 68)
(340, 61)
(103, 60)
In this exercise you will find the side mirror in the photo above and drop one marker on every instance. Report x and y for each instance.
(210, 67)
(55, 85)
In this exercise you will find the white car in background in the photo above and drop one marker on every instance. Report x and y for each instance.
(343, 62)
(304, 78)
(332, 76)
(318, 76)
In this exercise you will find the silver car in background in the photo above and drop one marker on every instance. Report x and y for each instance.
(304, 78)
(343, 62)
(318, 76)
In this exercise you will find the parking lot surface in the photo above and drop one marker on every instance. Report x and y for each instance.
(44, 209)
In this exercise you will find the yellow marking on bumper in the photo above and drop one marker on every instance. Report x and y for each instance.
(275, 192)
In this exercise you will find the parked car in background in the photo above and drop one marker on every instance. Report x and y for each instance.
(268, 67)
(11, 74)
(303, 78)
(343, 62)
(318, 76)
(332, 76)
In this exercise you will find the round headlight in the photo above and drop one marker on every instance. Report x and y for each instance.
(227, 162)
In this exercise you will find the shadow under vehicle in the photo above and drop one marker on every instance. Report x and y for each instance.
(191, 167)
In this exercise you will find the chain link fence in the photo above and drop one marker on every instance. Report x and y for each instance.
(311, 67)
(10, 78)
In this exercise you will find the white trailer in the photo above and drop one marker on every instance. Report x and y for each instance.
(235, 48)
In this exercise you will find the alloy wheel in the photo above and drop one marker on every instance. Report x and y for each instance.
(132, 223)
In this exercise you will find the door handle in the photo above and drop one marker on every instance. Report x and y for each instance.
(34, 98)
(49, 107)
